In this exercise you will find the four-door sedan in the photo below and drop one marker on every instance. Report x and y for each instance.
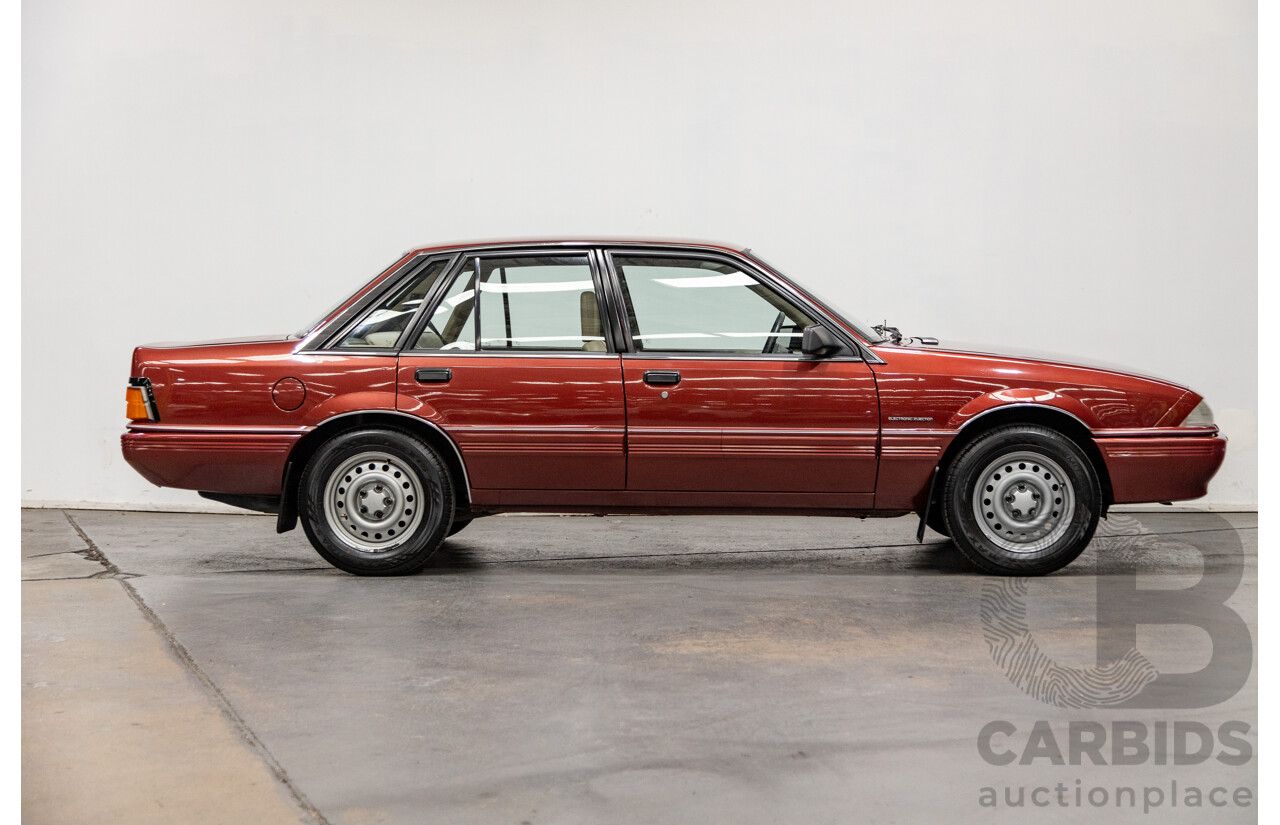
(647, 377)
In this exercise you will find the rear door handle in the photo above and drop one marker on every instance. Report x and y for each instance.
(661, 378)
(433, 375)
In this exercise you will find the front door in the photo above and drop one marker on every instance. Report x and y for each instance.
(523, 379)
(718, 394)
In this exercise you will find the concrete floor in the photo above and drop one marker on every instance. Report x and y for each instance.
(199, 668)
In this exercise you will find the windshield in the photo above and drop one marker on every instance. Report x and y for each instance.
(864, 330)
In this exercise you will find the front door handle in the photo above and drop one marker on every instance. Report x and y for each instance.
(433, 375)
(661, 378)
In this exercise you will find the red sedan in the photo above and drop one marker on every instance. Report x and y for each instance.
(647, 377)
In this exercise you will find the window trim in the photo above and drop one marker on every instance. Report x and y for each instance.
(856, 351)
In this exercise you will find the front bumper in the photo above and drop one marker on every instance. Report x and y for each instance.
(1161, 468)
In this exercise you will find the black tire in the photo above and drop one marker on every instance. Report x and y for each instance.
(458, 525)
(1039, 503)
(397, 491)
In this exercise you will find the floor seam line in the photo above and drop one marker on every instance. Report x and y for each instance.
(189, 664)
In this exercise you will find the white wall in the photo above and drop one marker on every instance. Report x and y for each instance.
(1077, 176)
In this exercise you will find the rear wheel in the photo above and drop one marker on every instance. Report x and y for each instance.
(1021, 500)
(376, 502)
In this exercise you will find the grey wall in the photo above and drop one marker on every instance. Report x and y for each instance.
(1077, 176)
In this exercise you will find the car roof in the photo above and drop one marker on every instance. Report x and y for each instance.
(577, 240)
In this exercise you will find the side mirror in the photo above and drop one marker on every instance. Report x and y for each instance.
(819, 342)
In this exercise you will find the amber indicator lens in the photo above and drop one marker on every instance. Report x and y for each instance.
(137, 405)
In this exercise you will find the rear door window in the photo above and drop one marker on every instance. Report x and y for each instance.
(537, 303)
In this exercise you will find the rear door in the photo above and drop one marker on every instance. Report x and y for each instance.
(514, 364)
(719, 396)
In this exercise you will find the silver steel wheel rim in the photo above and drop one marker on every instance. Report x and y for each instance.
(1024, 502)
(373, 501)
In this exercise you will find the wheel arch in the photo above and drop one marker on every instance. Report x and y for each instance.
(306, 447)
(1039, 414)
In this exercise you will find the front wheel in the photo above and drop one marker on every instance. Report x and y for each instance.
(376, 502)
(1022, 500)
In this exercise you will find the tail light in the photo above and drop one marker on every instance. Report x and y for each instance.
(140, 404)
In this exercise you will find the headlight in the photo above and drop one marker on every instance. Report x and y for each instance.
(1201, 416)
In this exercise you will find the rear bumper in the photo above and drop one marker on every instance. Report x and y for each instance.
(223, 462)
(1161, 468)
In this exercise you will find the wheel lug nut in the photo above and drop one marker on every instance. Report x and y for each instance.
(378, 514)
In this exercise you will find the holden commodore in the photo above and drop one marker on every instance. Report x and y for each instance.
(634, 377)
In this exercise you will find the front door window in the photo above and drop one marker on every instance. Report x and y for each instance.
(677, 305)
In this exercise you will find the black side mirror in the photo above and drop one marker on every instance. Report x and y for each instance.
(819, 342)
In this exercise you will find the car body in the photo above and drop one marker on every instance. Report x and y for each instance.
(626, 376)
